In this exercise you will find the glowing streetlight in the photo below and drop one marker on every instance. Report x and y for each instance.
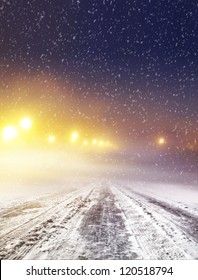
(9, 133)
(51, 139)
(161, 141)
(26, 124)
(74, 137)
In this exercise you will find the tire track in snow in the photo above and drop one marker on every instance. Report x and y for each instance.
(150, 229)
(106, 232)
(19, 241)
(185, 220)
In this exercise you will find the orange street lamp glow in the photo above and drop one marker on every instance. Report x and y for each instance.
(161, 141)
(9, 133)
(26, 124)
(51, 139)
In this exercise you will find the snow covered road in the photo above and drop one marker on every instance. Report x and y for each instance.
(105, 221)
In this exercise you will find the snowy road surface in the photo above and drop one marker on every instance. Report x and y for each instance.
(105, 221)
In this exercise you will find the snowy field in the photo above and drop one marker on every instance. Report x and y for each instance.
(55, 205)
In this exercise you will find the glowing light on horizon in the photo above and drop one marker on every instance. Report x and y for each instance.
(51, 139)
(21, 132)
(74, 137)
(161, 141)
(9, 133)
(26, 124)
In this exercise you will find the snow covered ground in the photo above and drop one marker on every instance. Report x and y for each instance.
(94, 214)
(99, 222)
